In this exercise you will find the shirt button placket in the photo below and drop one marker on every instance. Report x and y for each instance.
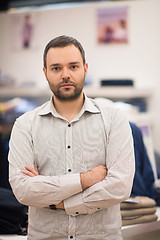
(72, 228)
(69, 168)
(69, 157)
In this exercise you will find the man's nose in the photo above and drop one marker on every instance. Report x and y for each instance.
(65, 73)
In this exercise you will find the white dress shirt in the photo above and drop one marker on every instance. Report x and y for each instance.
(61, 151)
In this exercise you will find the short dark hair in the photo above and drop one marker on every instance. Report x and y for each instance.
(63, 41)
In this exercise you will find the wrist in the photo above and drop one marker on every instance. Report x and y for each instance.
(86, 179)
(60, 205)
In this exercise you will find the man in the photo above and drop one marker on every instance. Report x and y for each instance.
(71, 160)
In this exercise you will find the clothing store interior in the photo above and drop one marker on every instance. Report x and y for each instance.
(121, 41)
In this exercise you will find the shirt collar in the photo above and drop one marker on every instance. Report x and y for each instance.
(88, 106)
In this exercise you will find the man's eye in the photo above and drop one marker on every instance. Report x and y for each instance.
(56, 68)
(74, 67)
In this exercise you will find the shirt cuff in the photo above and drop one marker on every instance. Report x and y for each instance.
(75, 205)
(70, 185)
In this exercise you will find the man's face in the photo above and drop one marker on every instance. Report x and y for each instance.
(65, 72)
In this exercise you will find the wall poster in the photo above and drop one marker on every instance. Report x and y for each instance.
(23, 28)
(112, 25)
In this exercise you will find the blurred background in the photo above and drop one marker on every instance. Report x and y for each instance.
(121, 40)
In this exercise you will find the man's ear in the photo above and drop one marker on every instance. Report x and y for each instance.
(45, 72)
(86, 69)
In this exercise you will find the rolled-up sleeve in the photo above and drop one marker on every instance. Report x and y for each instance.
(120, 163)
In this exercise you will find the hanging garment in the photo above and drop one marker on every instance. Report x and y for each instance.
(144, 178)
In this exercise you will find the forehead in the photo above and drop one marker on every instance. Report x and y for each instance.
(64, 55)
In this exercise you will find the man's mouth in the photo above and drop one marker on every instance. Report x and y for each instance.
(67, 85)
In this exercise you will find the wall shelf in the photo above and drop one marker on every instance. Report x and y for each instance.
(24, 92)
(108, 92)
(118, 92)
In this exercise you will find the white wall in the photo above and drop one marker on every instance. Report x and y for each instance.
(138, 60)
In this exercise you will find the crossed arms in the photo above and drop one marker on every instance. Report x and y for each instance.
(87, 179)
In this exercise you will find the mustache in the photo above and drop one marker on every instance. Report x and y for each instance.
(66, 81)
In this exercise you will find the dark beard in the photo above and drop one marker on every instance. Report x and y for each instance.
(63, 96)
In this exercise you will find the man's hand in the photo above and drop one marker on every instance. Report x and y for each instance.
(31, 172)
(93, 176)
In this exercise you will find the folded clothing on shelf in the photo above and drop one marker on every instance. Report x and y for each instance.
(138, 202)
(134, 213)
(138, 210)
(140, 219)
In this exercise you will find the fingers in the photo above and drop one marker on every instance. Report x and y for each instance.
(31, 172)
(28, 173)
(102, 166)
(30, 169)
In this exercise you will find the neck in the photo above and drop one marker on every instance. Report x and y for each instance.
(69, 109)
